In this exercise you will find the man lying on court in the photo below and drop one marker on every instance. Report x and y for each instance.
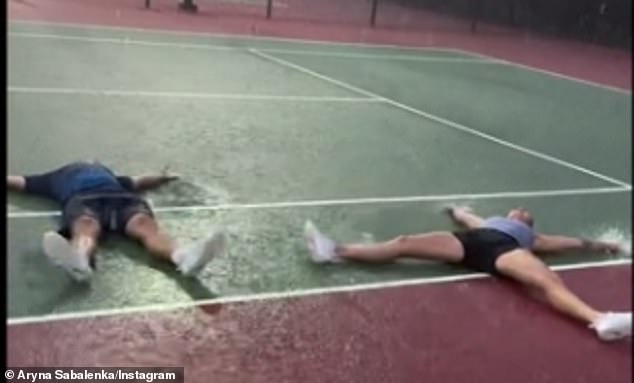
(502, 246)
(95, 201)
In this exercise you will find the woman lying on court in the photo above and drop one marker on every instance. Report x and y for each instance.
(94, 201)
(502, 246)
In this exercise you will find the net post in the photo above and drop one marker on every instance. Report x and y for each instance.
(269, 8)
(476, 11)
(375, 4)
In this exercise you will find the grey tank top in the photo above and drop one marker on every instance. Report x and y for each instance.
(523, 234)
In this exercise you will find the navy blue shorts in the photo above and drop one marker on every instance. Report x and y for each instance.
(112, 211)
(483, 246)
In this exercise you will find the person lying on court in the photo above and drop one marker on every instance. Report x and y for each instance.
(95, 201)
(501, 246)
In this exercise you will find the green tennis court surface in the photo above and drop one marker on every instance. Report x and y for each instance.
(367, 142)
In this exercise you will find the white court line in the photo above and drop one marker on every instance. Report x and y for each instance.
(126, 41)
(330, 43)
(358, 201)
(441, 120)
(225, 36)
(216, 96)
(301, 52)
(290, 294)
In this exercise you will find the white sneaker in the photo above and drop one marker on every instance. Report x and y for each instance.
(322, 248)
(612, 326)
(62, 254)
(192, 259)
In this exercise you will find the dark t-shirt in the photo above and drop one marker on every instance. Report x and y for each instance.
(78, 178)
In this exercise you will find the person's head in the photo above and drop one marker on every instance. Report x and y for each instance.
(522, 215)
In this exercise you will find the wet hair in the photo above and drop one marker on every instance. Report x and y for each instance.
(529, 219)
(525, 216)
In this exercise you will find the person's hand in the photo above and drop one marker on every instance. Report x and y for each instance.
(453, 210)
(603, 247)
(167, 176)
(609, 248)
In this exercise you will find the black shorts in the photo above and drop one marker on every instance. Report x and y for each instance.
(111, 211)
(482, 247)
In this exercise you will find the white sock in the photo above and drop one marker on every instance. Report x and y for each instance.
(177, 253)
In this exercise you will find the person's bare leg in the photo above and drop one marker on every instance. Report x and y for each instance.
(190, 259)
(440, 246)
(146, 230)
(526, 268)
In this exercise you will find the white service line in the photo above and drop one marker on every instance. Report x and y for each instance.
(441, 120)
(412, 57)
(321, 42)
(123, 41)
(290, 294)
(213, 96)
(163, 32)
(359, 201)
(301, 52)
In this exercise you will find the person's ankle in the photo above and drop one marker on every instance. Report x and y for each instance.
(176, 256)
(596, 317)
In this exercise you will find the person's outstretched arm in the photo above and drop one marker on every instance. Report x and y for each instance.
(35, 184)
(545, 243)
(149, 181)
(465, 217)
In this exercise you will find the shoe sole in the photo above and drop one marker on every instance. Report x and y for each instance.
(214, 246)
(61, 253)
(615, 335)
(310, 231)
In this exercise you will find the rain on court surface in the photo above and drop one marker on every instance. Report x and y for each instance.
(367, 142)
